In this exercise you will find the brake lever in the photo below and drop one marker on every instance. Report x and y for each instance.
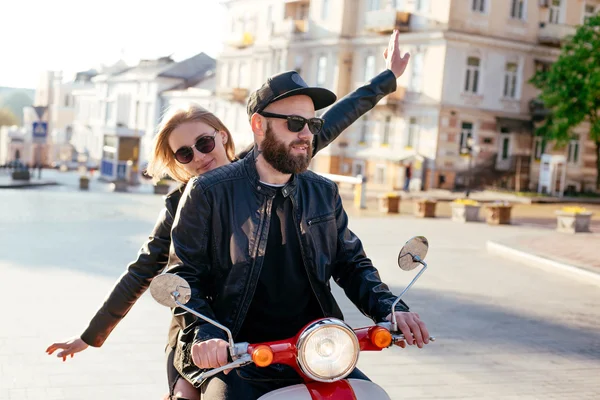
(240, 362)
(396, 338)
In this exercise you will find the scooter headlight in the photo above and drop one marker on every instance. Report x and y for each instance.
(328, 350)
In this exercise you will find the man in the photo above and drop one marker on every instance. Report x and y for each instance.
(258, 241)
(407, 176)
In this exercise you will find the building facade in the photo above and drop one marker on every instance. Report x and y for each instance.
(462, 113)
(118, 111)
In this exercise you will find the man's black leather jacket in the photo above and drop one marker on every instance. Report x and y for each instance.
(219, 239)
(153, 256)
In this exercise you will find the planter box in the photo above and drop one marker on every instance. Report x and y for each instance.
(120, 186)
(84, 183)
(498, 214)
(389, 204)
(161, 189)
(465, 213)
(573, 223)
(425, 208)
(21, 175)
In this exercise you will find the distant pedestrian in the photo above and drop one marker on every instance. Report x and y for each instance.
(407, 176)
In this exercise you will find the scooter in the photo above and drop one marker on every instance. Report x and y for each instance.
(323, 353)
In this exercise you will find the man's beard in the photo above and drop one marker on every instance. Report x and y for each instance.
(277, 154)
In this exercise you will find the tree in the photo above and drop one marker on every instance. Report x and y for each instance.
(7, 118)
(15, 102)
(571, 89)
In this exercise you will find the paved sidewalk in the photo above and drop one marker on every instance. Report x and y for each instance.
(505, 331)
(581, 250)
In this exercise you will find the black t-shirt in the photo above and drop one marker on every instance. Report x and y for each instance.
(283, 301)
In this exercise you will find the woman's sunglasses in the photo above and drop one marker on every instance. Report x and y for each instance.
(295, 123)
(204, 144)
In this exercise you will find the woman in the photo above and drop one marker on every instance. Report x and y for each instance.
(190, 142)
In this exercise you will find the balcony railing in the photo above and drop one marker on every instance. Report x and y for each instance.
(234, 94)
(241, 40)
(554, 34)
(538, 111)
(290, 27)
(385, 21)
(394, 98)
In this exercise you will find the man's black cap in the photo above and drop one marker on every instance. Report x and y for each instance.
(287, 84)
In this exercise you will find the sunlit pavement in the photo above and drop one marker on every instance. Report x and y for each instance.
(504, 330)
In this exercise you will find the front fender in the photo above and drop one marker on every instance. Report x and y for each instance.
(340, 390)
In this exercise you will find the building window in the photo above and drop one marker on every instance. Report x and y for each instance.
(230, 76)
(364, 130)
(225, 75)
(372, 5)
(554, 15)
(325, 10)
(542, 66)
(466, 133)
(413, 131)
(539, 148)
(478, 5)
(243, 75)
(109, 112)
(472, 75)
(588, 12)
(269, 16)
(322, 71)
(369, 67)
(380, 174)
(505, 147)
(573, 150)
(387, 125)
(510, 80)
(282, 63)
(421, 5)
(398, 4)
(416, 73)
(517, 9)
(298, 61)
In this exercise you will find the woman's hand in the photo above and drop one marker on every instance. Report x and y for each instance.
(70, 347)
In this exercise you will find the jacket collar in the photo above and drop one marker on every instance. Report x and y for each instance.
(250, 166)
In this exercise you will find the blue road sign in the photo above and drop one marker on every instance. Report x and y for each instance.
(40, 130)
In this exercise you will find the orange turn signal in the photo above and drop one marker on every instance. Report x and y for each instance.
(262, 356)
(381, 337)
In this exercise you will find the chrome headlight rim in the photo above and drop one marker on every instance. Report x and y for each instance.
(312, 329)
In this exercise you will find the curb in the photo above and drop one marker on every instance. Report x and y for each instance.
(27, 185)
(541, 262)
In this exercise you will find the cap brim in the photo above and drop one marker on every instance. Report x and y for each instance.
(321, 97)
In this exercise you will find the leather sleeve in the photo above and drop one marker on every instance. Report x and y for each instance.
(355, 273)
(347, 110)
(152, 259)
(190, 257)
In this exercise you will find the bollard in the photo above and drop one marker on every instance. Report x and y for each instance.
(360, 193)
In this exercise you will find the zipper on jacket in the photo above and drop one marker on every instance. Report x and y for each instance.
(267, 214)
(314, 221)
(296, 226)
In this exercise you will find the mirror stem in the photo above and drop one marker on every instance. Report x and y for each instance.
(415, 259)
(210, 321)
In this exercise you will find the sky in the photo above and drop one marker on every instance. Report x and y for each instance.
(76, 35)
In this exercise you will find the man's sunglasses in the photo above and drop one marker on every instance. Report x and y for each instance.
(204, 144)
(295, 123)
